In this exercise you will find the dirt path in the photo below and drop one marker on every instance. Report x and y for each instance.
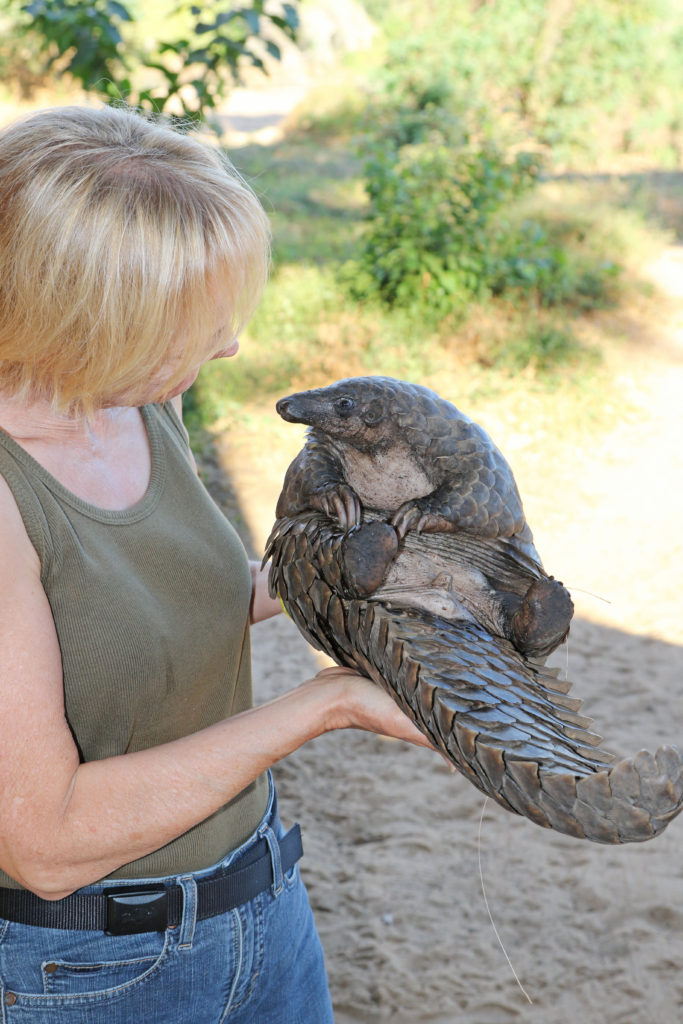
(393, 841)
(607, 514)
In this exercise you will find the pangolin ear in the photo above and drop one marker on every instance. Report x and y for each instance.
(373, 413)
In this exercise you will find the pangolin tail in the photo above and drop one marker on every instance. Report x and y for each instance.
(507, 723)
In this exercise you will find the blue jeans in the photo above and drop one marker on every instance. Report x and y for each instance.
(259, 964)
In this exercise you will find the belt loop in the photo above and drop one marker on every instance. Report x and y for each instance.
(271, 812)
(266, 832)
(189, 916)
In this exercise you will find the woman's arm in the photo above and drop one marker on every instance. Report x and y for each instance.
(64, 824)
(263, 606)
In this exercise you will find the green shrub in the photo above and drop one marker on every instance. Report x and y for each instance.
(433, 188)
(444, 219)
(543, 347)
(532, 261)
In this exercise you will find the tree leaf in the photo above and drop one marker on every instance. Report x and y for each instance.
(119, 11)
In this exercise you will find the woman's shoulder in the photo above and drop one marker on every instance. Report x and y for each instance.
(17, 551)
(23, 520)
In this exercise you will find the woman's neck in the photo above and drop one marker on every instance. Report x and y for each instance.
(105, 460)
(38, 421)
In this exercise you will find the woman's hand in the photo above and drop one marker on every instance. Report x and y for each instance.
(362, 704)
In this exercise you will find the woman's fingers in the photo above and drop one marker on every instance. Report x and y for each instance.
(364, 705)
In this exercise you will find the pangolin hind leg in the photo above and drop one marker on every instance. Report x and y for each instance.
(368, 551)
(541, 621)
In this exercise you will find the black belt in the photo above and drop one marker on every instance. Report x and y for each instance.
(149, 908)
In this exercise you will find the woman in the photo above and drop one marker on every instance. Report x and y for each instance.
(144, 874)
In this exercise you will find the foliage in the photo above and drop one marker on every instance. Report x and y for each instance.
(189, 73)
(580, 76)
(442, 228)
(550, 266)
(309, 330)
(472, 105)
(88, 33)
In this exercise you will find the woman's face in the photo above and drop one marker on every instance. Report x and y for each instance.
(220, 344)
(224, 353)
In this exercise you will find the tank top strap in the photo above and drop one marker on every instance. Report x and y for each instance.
(28, 502)
(170, 417)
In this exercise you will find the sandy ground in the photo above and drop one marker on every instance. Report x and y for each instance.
(397, 846)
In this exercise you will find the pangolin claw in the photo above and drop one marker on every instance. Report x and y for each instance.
(408, 517)
(340, 503)
(360, 583)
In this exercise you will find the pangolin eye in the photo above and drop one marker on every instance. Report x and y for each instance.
(344, 405)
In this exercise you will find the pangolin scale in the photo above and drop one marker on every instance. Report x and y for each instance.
(401, 549)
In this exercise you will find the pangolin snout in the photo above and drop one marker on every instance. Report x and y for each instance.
(291, 409)
(282, 407)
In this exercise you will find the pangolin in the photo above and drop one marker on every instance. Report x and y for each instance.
(401, 549)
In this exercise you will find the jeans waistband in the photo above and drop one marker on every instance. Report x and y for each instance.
(155, 904)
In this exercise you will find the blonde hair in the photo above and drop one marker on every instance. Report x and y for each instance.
(117, 234)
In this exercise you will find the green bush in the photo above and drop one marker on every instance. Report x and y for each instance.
(583, 77)
(434, 186)
(548, 266)
(444, 224)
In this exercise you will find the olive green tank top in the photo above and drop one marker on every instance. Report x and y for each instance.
(151, 608)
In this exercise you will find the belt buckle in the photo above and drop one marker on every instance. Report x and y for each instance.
(132, 911)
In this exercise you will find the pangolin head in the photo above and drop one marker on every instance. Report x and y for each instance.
(360, 411)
